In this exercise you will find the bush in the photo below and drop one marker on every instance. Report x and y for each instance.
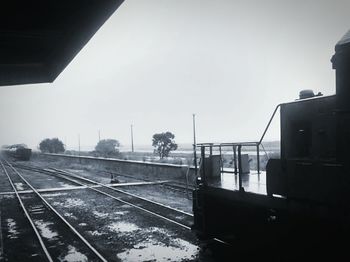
(53, 145)
(107, 147)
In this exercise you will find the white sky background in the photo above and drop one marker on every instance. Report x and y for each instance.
(156, 62)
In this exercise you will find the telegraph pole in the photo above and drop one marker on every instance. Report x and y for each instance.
(132, 139)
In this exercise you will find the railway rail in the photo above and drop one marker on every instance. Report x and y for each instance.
(39, 212)
(172, 215)
(173, 185)
(185, 219)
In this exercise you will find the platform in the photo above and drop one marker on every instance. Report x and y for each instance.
(252, 182)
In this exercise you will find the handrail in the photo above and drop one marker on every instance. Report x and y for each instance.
(266, 154)
(239, 145)
(251, 143)
(268, 124)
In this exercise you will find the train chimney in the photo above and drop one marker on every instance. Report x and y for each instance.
(341, 63)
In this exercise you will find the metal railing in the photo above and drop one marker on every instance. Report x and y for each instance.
(237, 153)
(237, 157)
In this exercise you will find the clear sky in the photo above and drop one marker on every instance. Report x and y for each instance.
(156, 62)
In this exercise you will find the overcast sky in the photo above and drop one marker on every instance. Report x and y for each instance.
(155, 62)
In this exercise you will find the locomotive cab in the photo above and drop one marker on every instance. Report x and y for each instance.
(303, 205)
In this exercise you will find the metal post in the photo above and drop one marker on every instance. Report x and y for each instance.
(258, 158)
(222, 162)
(235, 159)
(240, 168)
(203, 165)
(194, 145)
(132, 139)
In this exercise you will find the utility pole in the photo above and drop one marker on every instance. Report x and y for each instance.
(132, 139)
(79, 144)
(194, 144)
(79, 148)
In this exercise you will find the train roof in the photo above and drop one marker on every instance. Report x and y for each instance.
(15, 146)
(39, 38)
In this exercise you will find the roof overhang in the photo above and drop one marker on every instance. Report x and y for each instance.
(39, 38)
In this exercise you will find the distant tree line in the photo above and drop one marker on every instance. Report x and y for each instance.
(163, 144)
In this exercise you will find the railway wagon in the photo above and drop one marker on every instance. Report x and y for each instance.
(301, 205)
(19, 152)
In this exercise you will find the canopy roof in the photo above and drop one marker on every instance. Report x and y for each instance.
(39, 38)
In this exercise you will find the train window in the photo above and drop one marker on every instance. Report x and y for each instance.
(301, 139)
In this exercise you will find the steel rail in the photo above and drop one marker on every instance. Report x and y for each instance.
(126, 202)
(167, 183)
(64, 174)
(49, 172)
(47, 254)
(120, 191)
(69, 178)
(59, 215)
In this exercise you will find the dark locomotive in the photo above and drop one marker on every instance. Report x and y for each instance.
(18, 151)
(305, 208)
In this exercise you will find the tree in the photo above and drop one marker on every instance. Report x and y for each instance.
(53, 145)
(164, 143)
(107, 147)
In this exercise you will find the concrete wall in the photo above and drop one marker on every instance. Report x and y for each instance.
(133, 168)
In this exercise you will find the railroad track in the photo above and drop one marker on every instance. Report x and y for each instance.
(172, 215)
(173, 185)
(62, 236)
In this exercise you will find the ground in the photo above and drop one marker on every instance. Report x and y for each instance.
(117, 230)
